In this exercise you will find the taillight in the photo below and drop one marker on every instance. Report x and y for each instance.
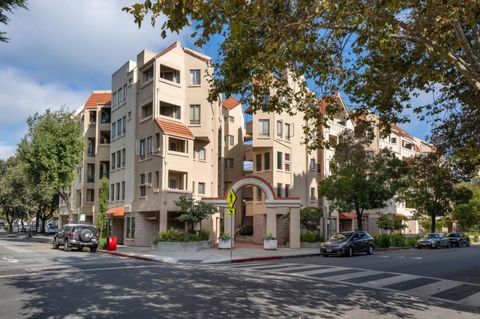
(98, 235)
(71, 234)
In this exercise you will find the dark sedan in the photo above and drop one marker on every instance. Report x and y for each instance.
(433, 240)
(348, 244)
(458, 240)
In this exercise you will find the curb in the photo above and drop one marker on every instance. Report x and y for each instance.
(139, 257)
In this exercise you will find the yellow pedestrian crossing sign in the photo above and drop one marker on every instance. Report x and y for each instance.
(230, 211)
(231, 198)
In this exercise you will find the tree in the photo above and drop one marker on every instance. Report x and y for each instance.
(9, 6)
(391, 222)
(467, 212)
(193, 211)
(103, 195)
(51, 151)
(361, 180)
(429, 187)
(310, 218)
(380, 53)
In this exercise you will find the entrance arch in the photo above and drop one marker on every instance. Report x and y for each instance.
(271, 202)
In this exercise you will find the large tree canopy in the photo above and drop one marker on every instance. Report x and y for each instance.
(7, 6)
(381, 53)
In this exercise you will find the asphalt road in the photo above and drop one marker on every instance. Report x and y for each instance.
(39, 282)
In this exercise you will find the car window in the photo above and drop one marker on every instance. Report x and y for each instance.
(363, 235)
(92, 228)
(356, 236)
(340, 236)
(432, 236)
(453, 235)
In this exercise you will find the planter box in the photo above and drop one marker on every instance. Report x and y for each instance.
(310, 245)
(225, 244)
(168, 246)
(270, 244)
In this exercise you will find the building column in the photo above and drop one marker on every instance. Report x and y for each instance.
(295, 227)
(271, 222)
(227, 223)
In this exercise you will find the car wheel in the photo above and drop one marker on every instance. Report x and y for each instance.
(80, 248)
(458, 245)
(448, 245)
(467, 244)
(325, 255)
(370, 250)
(94, 249)
(437, 246)
(350, 251)
(66, 246)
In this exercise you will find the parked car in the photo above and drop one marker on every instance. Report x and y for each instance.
(458, 239)
(77, 235)
(348, 244)
(433, 240)
(51, 229)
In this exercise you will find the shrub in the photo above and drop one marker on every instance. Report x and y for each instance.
(102, 243)
(382, 241)
(224, 236)
(270, 236)
(203, 235)
(311, 237)
(475, 239)
(176, 236)
(246, 230)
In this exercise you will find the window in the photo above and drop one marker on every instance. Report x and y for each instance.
(264, 127)
(128, 227)
(118, 191)
(195, 77)
(393, 140)
(169, 74)
(143, 187)
(177, 145)
(177, 180)
(148, 75)
(125, 92)
(279, 189)
(287, 157)
(146, 110)
(266, 159)
(279, 129)
(90, 173)
(112, 192)
(120, 95)
(119, 159)
(90, 195)
(142, 148)
(149, 146)
(149, 178)
(313, 166)
(123, 190)
(93, 117)
(312, 193)
(124, 151)
(119, 127)
(287, 190)
(172, 183)
(130, 232)
(202, 154)
(231, 140)
(157, 179)
(114, 129)
(201, 188)
(287, 132)
(258, 162)
(231, 119)
(157, 142)
(195, 114)
(114, 99)
(91, 147)
(279, 160)
(229, 163)
(287, 167)
(113, 161)
(124, 128)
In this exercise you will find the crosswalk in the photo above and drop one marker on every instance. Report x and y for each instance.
(413, 285)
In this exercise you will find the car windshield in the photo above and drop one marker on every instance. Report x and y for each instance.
(340, 236)
(92, 228)
(432, 236)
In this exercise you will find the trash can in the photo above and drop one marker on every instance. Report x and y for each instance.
(112, 243)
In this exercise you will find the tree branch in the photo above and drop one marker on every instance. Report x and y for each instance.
(460, 34)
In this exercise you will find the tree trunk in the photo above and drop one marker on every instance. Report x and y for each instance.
(37, 220)
(359, 221)
(434, 221)
(44, 220)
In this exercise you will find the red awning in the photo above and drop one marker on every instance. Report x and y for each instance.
(347, 216)
(116, 212)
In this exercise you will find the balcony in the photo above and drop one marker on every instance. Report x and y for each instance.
(335, 128)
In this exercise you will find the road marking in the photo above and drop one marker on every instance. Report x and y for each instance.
(416, 258)
(383, 256)
(9, 259)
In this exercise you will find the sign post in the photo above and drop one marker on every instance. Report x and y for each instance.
(231, 199)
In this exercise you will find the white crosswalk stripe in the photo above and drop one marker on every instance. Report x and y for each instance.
(414, 285)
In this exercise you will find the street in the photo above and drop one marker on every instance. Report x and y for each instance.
(37, 281)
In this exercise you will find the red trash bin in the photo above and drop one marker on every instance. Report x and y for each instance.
(112, 243)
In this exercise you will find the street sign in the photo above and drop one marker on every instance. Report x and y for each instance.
(230, 211)
(231, 198)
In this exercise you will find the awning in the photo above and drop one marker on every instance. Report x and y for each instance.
(116, 212)
(347, 216)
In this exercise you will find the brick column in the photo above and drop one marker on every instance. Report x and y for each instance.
(271, 222)
(295, 227)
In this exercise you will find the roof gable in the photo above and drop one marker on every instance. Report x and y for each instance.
(174, 129)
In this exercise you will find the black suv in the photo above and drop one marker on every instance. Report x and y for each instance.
(458, 239)
(77, 235)
(348, 244)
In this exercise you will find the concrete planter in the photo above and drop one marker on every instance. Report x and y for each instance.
(310, 245)
(225, 244)
(270, 244)
(168, 246)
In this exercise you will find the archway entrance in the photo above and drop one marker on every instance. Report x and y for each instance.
(274, 207)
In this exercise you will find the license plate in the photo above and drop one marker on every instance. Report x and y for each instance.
(329, 250)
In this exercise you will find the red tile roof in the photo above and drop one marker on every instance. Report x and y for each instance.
(400, 132)
(175, 129)
(230, 103)
(98, 98)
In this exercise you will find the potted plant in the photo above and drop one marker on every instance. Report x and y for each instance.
(224, 241)
(269, 242)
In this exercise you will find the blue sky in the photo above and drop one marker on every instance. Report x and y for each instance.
(60, 51)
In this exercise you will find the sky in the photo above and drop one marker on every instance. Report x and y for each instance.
(62, 50)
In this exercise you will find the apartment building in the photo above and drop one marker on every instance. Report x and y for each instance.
(177, 142)
(95, 117)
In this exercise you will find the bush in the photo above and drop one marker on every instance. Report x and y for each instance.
(394, 240)
(102, 244)
(475, 239)
(382, 241)
(311, 237)
(246, 230)
(176, 236)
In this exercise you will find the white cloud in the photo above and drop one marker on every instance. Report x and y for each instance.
(78, 41)
(6, 150)
(21, 96)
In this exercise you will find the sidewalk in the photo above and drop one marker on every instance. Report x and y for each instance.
(24, 236)
(213, 255)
